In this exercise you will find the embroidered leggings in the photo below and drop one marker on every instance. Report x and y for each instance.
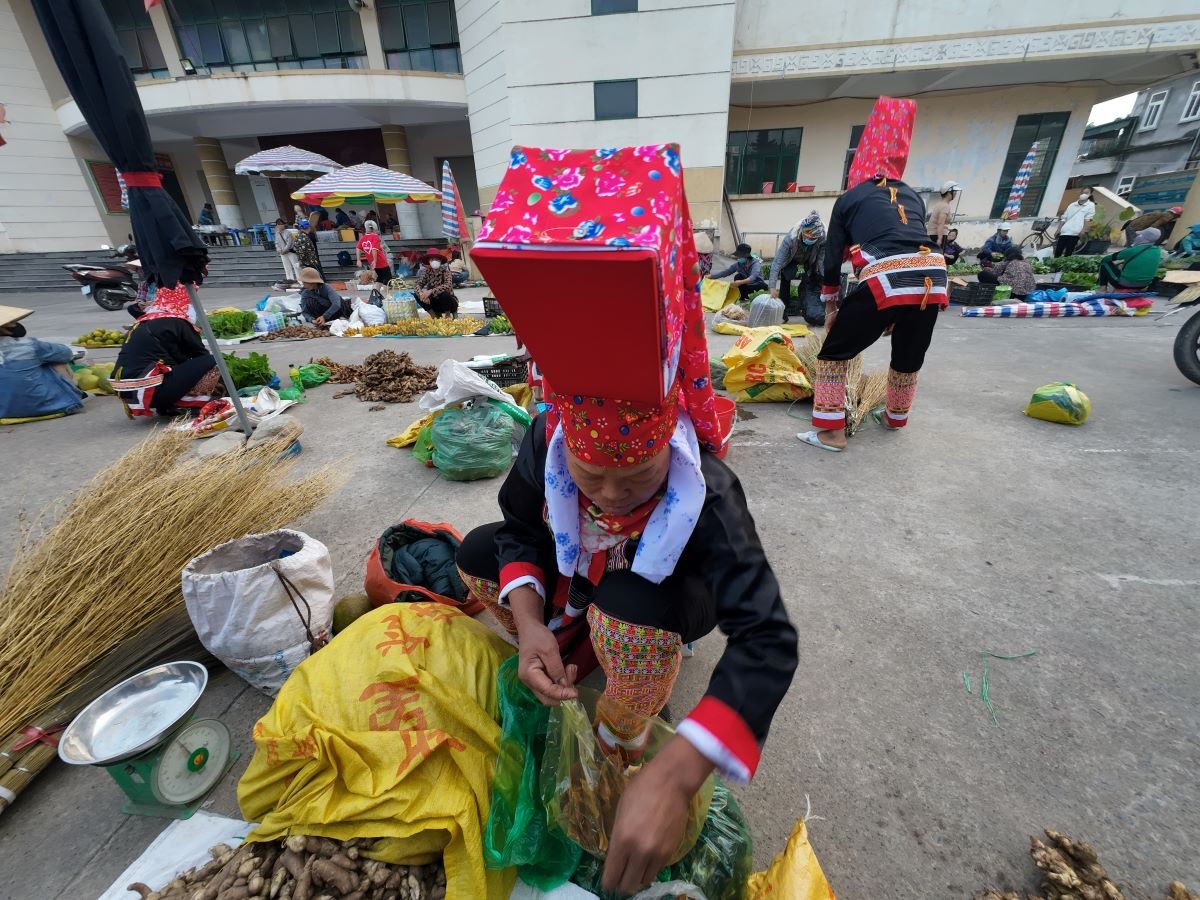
(859, 324)
(634, 627)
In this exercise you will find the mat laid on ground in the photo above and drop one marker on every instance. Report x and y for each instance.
(388, 732)
(1087, 306)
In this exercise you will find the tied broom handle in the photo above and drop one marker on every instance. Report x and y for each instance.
(211, 340)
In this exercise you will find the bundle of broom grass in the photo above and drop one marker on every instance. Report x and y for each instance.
(865, 390)
(95, 597)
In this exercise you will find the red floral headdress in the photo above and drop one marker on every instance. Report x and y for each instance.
(883, 147)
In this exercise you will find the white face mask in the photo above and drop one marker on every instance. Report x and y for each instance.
(434, 264)
(1083, 198)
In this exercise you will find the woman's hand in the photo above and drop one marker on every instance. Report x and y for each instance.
(652, 816)
(319, 320)
(540, 667)
(831, 311)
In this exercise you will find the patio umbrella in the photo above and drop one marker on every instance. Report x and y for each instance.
(365, 185)
(1012, 209)
(454, 223)
(85, 48)
(284, 162)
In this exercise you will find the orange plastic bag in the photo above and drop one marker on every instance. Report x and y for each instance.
(794, 874)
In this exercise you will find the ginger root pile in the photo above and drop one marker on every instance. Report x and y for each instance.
(1071, 870)
(300, 868)
(393, 378)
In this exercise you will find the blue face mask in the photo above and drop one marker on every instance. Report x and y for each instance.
(809, 241)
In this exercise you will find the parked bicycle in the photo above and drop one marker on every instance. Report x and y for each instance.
(1040, 236)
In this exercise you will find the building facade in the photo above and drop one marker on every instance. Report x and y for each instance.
(766, 98)
(1160, 135)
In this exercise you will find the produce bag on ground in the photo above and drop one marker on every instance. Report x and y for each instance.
(582, 784)
(415, 562)
(765, 310)
(1060, 402)
(795, 873)
(763, 367)
(716, 868)
(472, 443)
(237, 596)
(389, 732)
(715, 294)
(456, 382)
(518, 831)
(814, 306)
(314, 374)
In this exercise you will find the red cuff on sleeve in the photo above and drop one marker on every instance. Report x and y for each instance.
(720, 720)
(513, 571)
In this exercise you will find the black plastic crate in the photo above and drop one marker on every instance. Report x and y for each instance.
(507, 373)
(491, 308)
(975, 294)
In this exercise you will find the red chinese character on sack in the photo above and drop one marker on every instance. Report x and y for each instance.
(436, 611)
(306, 748)
(398, 637)
(396, 705)
(272, 749)
(417, 747)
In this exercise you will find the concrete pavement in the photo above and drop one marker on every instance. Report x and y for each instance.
(976, 529)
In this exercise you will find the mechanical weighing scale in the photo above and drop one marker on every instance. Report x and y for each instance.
(142, 733)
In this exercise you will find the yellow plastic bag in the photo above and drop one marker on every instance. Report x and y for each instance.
(1060, 402)
(763, 367)
(389, 732)
(794, 874)
(716, 294)
(408, 437)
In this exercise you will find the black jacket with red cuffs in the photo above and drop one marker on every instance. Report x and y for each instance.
(730, 723)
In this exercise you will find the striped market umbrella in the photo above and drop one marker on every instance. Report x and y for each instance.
(365, 185)
(1012, 209)
(282, 162)
(454, 222)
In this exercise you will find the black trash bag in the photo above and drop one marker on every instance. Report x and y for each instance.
(814, 306)
(345, 259)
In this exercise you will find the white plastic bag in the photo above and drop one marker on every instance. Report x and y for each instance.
(366, 313)
(339, 327)
(241, 610)
(765, 310)
(457, 382)
(267, 405)
(289, 303)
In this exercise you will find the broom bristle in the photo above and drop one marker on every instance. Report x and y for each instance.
(110, 566)
(870, 388)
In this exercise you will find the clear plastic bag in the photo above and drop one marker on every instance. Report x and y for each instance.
(582, 784)
(518, 831)
(472, 443)
(716, 868)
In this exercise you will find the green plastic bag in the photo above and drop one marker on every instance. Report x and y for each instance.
(1060, 402)
(314, 374)
(718, 864)
(291, 394)
(423, 446)
(472, 443)
(518, 831)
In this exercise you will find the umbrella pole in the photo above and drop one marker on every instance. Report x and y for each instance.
(211, 340)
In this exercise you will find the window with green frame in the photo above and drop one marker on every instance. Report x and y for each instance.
(419, 35)
(139, 44)
(264, 35)
(753, 158)
(1047, 128)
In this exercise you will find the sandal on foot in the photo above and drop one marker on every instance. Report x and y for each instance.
(878, 415)
(811, 438)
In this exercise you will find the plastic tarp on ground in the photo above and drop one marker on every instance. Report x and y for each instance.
(1094, 306)
(388, 732)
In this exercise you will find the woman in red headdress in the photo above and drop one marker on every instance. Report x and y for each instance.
(623, 536)
(879, 225)
(163, 366)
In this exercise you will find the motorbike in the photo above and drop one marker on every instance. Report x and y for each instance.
(112, 285)
(1187, 342)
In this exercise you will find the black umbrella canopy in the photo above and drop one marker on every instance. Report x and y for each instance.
(85, 48)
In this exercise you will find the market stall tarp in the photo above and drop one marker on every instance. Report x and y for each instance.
(1087, 306)
(363, 185)
(285, 161)
(388, 732)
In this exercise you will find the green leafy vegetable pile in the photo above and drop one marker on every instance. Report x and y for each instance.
(254, 370)
(500, 325)
(232, 324)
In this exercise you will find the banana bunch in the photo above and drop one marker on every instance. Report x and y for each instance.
(420, 328)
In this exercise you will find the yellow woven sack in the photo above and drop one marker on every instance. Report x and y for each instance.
(715, 294)
(763, 366)
(791, 329)
(795, 874)
(388, 732)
